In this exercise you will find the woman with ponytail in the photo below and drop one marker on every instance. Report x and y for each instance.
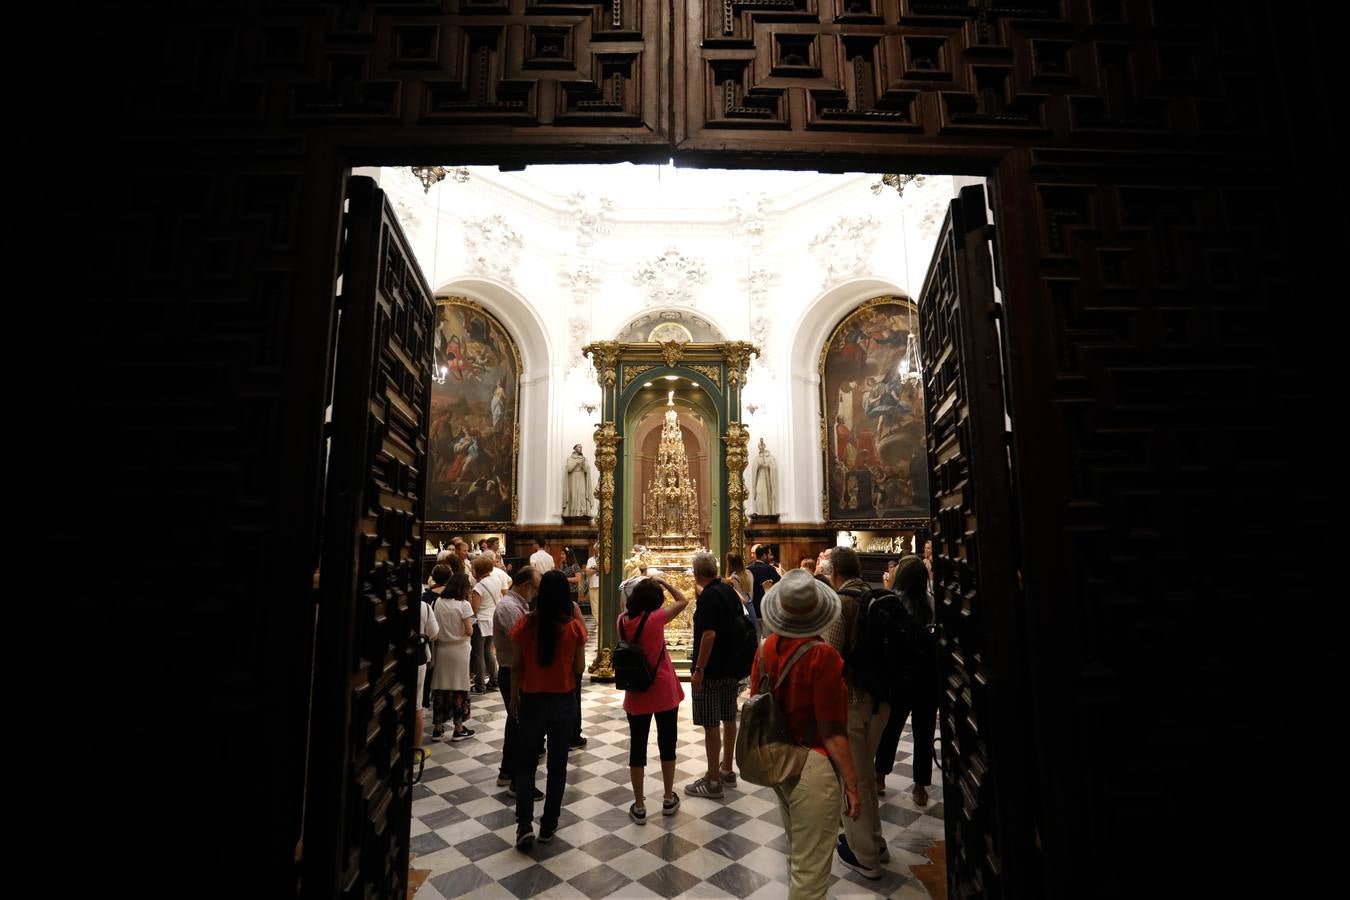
(550, 646)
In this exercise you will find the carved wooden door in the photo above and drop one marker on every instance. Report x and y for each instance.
(984, 726)
(359, 797)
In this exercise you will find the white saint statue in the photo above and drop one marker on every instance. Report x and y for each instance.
(577, 485)
(764, 479)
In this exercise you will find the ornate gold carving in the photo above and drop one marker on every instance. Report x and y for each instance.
(737, 440)
(738, 355)
(631, 373)
(606, 460)
(911, 524)
(602, 669)
(471, 527)
(670, 513)
(605, 356)
(712, 373)
(672, 352)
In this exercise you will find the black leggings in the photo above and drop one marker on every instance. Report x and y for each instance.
(638, 728)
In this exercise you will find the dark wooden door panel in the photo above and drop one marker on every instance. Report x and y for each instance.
(359, 802)
(982, 712)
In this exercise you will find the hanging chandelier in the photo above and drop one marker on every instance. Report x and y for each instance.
(899, 182)
(911, 367)
(430, 176)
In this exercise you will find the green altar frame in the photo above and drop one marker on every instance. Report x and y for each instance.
(622, 368)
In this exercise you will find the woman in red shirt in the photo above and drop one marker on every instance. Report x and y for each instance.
(661, 699)
(814, 700)
(550, 648)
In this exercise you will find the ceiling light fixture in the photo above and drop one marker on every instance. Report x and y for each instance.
(430, 176)
(899, 182)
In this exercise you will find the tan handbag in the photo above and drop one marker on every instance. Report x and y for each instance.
(766, 754)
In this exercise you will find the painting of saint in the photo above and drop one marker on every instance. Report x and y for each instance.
(876, 462)
(475, 408)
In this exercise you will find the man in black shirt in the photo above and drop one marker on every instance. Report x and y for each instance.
(761, 572)
(713, 678)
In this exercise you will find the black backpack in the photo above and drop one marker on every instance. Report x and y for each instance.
(744, 641)
(422, 650)
(890, 651)
(632, 672)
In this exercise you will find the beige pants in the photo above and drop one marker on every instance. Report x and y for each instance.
(864, 734)
(810, 808)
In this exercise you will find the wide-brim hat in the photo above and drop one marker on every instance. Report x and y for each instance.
(799, 605)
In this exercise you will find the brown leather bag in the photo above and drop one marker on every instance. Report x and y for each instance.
(766, 754)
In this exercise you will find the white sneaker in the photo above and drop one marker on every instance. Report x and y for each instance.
(703, 787)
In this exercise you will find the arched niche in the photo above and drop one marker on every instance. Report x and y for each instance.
(675, 323)
(800, 495)
(538, 484)
(697, 417)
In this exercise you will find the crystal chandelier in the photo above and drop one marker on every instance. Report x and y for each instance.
(430, 176)
(899, 182)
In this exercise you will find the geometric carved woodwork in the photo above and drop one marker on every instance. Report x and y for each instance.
(1148, 216)
(979, 661)
(1010, 70)
(371, 576)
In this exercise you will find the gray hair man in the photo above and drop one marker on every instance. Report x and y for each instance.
(713, 678)
(513, 607)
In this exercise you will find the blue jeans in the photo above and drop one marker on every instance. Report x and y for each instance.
(551, 716)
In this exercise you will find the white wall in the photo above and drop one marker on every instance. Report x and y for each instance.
(561, 267)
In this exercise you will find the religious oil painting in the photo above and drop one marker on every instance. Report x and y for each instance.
(475, 415)
(876, 464)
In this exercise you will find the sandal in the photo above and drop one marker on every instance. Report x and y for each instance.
(638, 814)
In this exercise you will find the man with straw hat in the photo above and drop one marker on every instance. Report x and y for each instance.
(814, 702)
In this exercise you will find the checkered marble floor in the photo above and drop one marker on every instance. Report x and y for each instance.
(463, 825)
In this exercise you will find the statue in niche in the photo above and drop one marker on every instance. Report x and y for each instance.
(764, 482)
(577, 486)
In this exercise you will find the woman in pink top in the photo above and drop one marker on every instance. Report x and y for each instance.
(662, 699)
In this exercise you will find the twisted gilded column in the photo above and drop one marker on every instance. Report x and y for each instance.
(607, 440)
(737, 440)
(604, 356)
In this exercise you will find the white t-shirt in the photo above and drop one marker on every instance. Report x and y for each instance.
(594, 563)
(541, 561)
(430, 627)
(451, 616)
(488, 594)
(503, 580)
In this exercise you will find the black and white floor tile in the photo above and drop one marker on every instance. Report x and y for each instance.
(463, 824)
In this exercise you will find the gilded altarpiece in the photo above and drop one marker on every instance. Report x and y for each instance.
(718, 371)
